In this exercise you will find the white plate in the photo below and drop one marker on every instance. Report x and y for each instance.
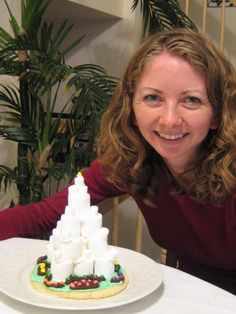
(144, 277)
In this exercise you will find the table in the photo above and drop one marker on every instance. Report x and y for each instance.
(179, 293)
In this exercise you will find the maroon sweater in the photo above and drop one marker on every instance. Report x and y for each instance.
(202, 236)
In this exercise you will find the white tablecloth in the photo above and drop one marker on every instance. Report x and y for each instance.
(179, 293)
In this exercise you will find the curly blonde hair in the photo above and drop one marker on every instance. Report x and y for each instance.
(132, 162)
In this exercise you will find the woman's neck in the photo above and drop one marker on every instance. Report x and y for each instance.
(177, 168)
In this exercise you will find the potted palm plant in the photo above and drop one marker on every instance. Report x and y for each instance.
(35, 54)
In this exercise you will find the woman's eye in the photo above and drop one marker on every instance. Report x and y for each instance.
(192, 100)
(152, 99)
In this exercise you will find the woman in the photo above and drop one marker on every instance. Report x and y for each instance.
(168, 140)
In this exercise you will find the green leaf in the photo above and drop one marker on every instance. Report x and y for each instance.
(14, 24)
(162, 14)
(7, 175)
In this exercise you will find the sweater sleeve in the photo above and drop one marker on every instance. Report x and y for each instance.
(38, 219)
(33, 220)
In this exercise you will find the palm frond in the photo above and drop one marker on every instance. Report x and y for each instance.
(57, 171)
(14, 24)
(162, 14)
(19, 135)
(7, 175)
(31, 13)
(9, 97)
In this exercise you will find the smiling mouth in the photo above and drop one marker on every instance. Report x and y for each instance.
(170, 136)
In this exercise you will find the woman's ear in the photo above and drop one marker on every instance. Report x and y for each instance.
(214, 123)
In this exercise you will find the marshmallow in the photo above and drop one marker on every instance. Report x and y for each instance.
(92, 225)
(98, 244)
(61, 270)
(84, 265)
(79, 180)
(72, 250)
(103, 266)
(71, 224)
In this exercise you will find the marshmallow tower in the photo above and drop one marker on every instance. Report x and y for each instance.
(78, 245)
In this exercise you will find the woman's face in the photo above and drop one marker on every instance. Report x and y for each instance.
(172, 110)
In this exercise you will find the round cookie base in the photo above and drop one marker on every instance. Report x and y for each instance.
(84, 294)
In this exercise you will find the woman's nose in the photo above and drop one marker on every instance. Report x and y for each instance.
(170, 115)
